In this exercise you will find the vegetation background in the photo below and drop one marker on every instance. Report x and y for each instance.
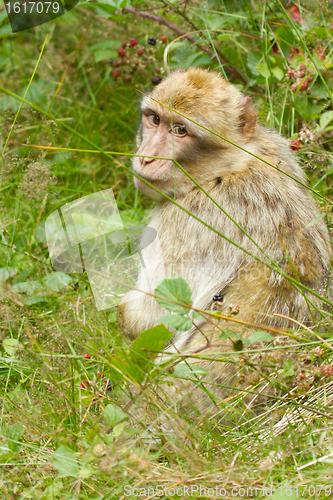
(63, 432)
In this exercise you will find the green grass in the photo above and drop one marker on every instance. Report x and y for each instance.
(62, 437)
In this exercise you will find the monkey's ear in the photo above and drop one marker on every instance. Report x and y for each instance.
(247, 118)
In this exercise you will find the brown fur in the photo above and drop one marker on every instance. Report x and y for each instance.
(275, 210)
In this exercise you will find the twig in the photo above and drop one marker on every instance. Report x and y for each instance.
(160, 20)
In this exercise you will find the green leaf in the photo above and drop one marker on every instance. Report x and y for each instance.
(288, 368)
(180, 323)
(34, 300)
(113, 415)
(174, 290)
(184, 370)
(307, 108)
(118, 429)
(11, 346)
(5, 30)
(259, 337)
(106, 44)
(150, 343)
(325, 119)
(65, 462)
(102, 55)
(57, 281)
(198, 315)
(53, 490)
(28, 287)
(7, 272)
(278, 73)
(263, 69)
(12, 435)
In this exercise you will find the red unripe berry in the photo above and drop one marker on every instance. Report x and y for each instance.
(84, 385)
(140, 52)
(123, 44)
(121, 52)
(326, 370)
(100, 374)
(304, 86)
(302, 74)
(116, 74)
(291, 73)
(293, 87)
(301, 375)
(302, 66)
(294, 144)
(323, 57)
(164, 39)
(87, 356)
(127, 79)
(310, 78)
(133, 42)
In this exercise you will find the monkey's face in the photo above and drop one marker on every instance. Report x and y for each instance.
(163, 138)
(178, 119)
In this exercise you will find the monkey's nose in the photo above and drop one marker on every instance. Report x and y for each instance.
(145, 161)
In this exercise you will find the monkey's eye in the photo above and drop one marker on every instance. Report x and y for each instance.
(154, 119)
(179, 130)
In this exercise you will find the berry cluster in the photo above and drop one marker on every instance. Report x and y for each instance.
(301, 80)
(135, 57)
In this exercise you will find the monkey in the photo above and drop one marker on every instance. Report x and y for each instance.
(195, 119)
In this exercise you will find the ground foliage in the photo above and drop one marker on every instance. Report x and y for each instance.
(65, 432)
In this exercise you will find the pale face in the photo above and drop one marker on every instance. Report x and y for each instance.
(168, 137)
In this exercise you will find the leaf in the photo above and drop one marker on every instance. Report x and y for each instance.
(57, 281)
(106, 44)
(278, 73)
(183, 370)
(180, 323)
(259, 337)
(11, 346)
(118, 429)
(102, 55)
(28, 287)
(308, 109)
(7, 272)
(65, 462)
(53, 490)
(34, 300)
(263, 69)
(12, 435)
(150, 343)
(325, 119)
(171, 291)
(113, 415)
(198, 315)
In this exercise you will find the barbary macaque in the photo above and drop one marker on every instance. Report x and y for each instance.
(269, 213)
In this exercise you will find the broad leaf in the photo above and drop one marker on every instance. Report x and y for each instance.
(259, 337)
(180, 323)
(171, 293)
(113, 415)
(65, 462)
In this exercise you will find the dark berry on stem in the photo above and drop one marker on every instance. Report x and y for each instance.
(218, 297)
(156, 80)
(113, 62)
(151, 40)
